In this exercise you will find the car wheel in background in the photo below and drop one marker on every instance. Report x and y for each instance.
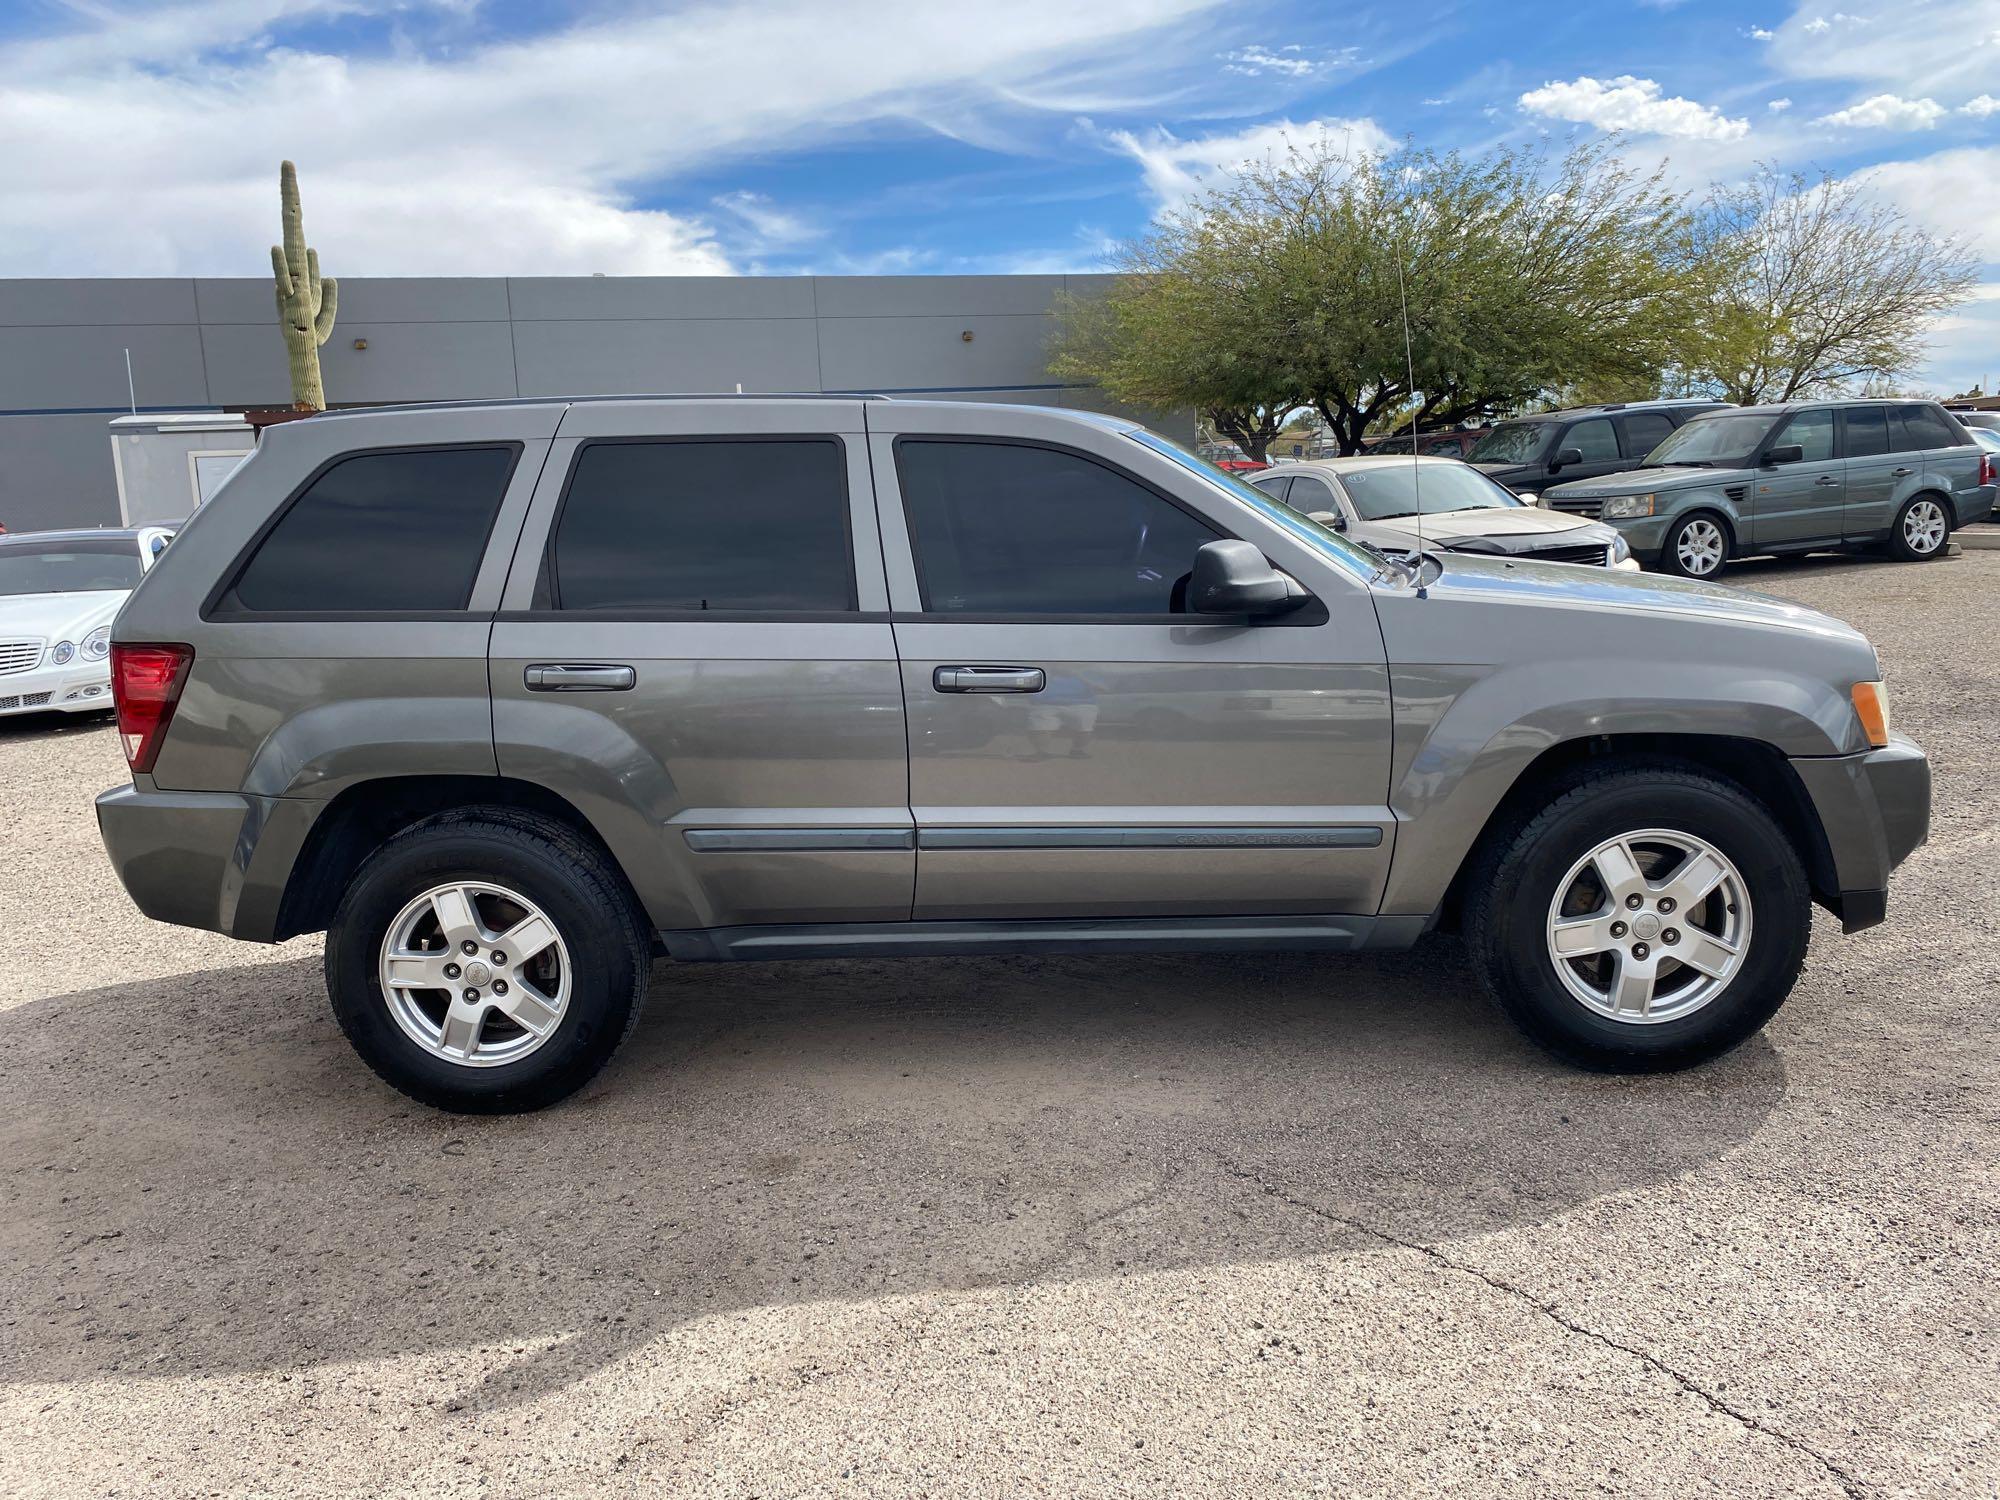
(487, 961)
(1696, 547)
(1921, 530)
(1648, 918)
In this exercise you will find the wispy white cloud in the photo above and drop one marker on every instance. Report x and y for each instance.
(1289, 61)
(1981, 107)
(1886, 112)
(1634, 104)
(1778, 106)
(1177, 169)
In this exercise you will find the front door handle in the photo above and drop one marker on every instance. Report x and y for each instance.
(1901, 473)
(579, 677)
(988, 679)
(1826, 479)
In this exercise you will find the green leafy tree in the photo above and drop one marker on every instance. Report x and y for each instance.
(1833, 288)
(1286, 285)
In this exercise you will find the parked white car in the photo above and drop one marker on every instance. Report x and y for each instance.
(59, 591)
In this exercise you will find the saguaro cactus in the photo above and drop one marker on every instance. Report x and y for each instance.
(305, 303)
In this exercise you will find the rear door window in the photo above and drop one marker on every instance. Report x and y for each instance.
(1645, 431)
(391, 532)
(756, 524)
(1867, 431)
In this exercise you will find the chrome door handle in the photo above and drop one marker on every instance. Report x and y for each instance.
(988, 679)
(1901, 473)
(579, 677)
(1826, 479)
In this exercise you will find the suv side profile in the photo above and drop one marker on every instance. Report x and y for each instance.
(1528, 454)
(511, 698)
(1806, 476)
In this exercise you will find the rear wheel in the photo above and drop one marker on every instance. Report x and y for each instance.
(1696, 547)
(487, 961)
(1649, 918)
(1921, 530)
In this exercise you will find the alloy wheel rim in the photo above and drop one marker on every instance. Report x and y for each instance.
(1649, 926)
(1700, 547)
(475, 974)
(1923, 526)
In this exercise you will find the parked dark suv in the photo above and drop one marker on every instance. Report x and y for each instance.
(1527, 454)
(509, 698)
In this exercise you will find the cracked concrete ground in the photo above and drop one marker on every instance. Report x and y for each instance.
(1167, 1226)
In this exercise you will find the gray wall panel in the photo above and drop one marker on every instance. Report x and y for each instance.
(56, 471)
(43, 368)
(572, 298)
(666, 355)
(371, 299)
(937, 296)
(49, 303)
(897, 353)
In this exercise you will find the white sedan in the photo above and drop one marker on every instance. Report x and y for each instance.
(59, 591)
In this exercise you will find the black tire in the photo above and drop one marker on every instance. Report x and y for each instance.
(1671, 560)
(1900, 545)
(580, 892)
(1515, 881)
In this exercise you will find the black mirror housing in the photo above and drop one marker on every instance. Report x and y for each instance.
(1565, 458)
(1785, 453)
(1233, 578)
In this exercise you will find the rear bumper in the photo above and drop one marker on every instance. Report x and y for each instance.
(1875, 809)
(215, 860)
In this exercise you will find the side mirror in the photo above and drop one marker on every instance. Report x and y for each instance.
(1332, 518)
(1785, 453)
(1565, 458)
(1234, 578)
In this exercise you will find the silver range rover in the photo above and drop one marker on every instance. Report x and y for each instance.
(1394, 504)
(510, 699)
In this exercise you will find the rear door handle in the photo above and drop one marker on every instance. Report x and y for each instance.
(988, 679)
(579, 677)
(1826, 479)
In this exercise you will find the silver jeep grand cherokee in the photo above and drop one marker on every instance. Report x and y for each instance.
(509, 698)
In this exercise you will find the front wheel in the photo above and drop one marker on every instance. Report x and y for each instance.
(1649, 918)
(1696, 547)
(487, 961)
(1921, 529)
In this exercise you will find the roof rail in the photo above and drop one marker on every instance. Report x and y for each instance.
(387, 406)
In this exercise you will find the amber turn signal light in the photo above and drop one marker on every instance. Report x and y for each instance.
(1871, 706)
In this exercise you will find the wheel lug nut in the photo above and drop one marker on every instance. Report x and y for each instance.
(1632, 902)
(1671, 935)
(1640, 950)
(451, 971)
(1618, 929)
(471, 995)
(1666, 904)
(499, 986)
(499, 957)
(468, 947)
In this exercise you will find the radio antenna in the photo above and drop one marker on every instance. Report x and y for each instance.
(1416, 468)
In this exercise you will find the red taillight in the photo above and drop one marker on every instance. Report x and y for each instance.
(146, 684)
(1985, 467)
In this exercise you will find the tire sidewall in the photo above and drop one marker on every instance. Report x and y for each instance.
(1780, 901)
(1901, 547)
(1670, 560)
(602, 982)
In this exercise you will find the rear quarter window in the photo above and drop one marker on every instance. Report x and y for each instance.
(392, 532)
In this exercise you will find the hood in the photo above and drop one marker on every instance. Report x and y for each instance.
(1524, 579)
(1638, 481)
(1524, 521)
(58, 617)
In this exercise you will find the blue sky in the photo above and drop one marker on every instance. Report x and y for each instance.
(857, 136)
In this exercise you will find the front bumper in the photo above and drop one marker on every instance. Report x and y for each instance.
(1874, 809)
(77, 688)
(215, 860)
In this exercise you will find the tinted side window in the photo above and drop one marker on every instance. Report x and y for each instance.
(1273, 485)
(1594, 439)
(1923, 428)
(1867, 431)
(380, 533)
(755, 523)
(1003, 528)
(1812, 431)
(1645, 431)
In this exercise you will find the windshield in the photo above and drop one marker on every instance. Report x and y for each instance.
(1384, 491)
(1713, 440)
(1513, 443)
(1364, 562)
(68, 567)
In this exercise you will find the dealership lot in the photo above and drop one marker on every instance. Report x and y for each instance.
(1203, 1226)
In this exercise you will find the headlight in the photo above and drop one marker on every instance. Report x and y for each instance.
(97, 645)
(1627, 507)
(61, 652)
(1620, 548)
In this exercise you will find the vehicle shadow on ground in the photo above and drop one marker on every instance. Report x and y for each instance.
(55, 726)
(217, 1184)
